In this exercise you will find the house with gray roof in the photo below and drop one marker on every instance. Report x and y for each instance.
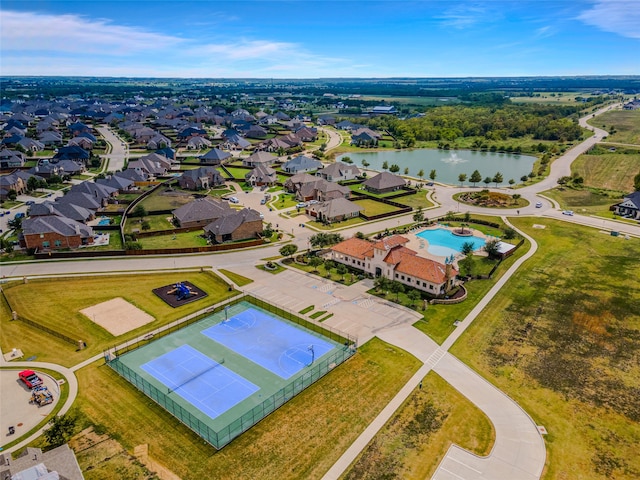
(261, 175)
(301, 164)
(294, 183)
(215, 156)
(62, 209)
(158, 141)
(384, 182)
(198, 143)
(32, 463)
(54, 232)
(339, 171)
(238, 225)
(11, 182)
(152, 165)
(259, 158)
(335, 210)
(11, 159)
(115, 181)
(200, 179)
(50, 138)
(31, 144)
(82, 199)
(630, 206)
(200, 212)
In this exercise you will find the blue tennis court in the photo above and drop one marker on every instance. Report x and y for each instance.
(275, 345)
(206, 384)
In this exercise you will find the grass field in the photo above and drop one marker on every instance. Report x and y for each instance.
(563, 339)
(57, 304)
(611, 171)
(178, 240)
(302, 439)
(414, 441)
(161, 200)
(585, 201)
(625, 122)
(156, 222)
(371, 207)
(236, 278)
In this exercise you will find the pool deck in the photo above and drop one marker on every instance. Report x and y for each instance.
(420, 245)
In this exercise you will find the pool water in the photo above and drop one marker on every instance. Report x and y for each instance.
(444, 243)
(104, 221)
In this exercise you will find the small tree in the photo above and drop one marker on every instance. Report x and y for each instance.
(381, 283)
(394, 168)
(365, 164)
(406, 170)
(414, 296)
(491, 247)
(509, 233)
(347, 160)
(467, 248)
(385, 165)
(487, 181)
(397, 288)
(146, 225)
(341, 269)
(139, 211)
(315, 262)
(461, 178)
(432, 175)
(288, 250)
(61, 430)
(467, 265)
(475, 177)
(497, 178)
(421, 174)
(511, 182)
(524, 178)
(132, 245)
(419, 215)
(33, 183)
(516, 197)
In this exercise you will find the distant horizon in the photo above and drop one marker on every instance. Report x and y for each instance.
(289, 39)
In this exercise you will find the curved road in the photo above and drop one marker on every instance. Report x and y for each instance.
(522, 450)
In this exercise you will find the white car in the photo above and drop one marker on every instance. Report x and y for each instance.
(234, 200)
(568, 212)
(301, 205)
(538, 204)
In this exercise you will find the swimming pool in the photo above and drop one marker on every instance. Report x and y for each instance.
(104, 221)
(444, 243)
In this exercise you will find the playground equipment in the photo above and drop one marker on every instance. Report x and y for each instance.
(41, 396)
(182, 291)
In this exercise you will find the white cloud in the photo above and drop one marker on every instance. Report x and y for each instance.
(464, 16)
(30, 31)
(616, 16)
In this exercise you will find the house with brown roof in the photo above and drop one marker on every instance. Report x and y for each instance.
(200, 178)
(201, 212)
(384, 182)
(322, 191)
(261, 175)
(390, 258)
(237, 225)
(54, 232)
(259, 158)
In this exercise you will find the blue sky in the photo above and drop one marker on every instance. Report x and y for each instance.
(311, 39)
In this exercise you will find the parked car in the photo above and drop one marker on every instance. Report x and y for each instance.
(301, 205)
(30, 378)
(29, 202)
(568, 212)
(19, 215)
(313, 202)
(538, 204)
(234, 200)
(263, 201)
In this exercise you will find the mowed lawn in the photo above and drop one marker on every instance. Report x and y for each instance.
(612, 171)
(371, 207)
(563, 339)
(300, 440)
(56, 304)
(625, 122)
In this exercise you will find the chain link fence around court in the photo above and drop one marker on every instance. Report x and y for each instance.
(225, 435)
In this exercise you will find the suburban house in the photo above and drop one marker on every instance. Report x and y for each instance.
(259, 158)
(11, 159)
(152, 165)
(214, 156)
(261, 175)
(201, 212)
(236, 142)
(295, 183)
(301, 164)
(334, 210)
(159, 141)
(50, 138)
(11, 182)
(32, 463)
(384, 110)
(365, 137)
(322, 191)
(82, 142)
(338, 171)
(200, 179)
(116, 181)
(61, 209)
(198, 143)
(236, 225)
(384, 182)
(630, 206)
(53, 232)
(30, 144)
(72, 152)
(389, 257)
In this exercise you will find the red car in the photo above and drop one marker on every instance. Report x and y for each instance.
(30, 378)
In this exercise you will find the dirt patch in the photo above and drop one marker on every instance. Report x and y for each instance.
(181, 293)
(117, 316)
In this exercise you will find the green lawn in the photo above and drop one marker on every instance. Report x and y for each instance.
(371, 207)
(282, 201)
(625, 122)
(178, 240)
(416, 438)
(236, 278)
(302, 439)
(610, 171)
(331, 226)
(563, 339)
(156, 222)
(162, 200)
(237, 172)
(59, 302)
(585, 201)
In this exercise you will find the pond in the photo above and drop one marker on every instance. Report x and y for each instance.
(448, 164)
